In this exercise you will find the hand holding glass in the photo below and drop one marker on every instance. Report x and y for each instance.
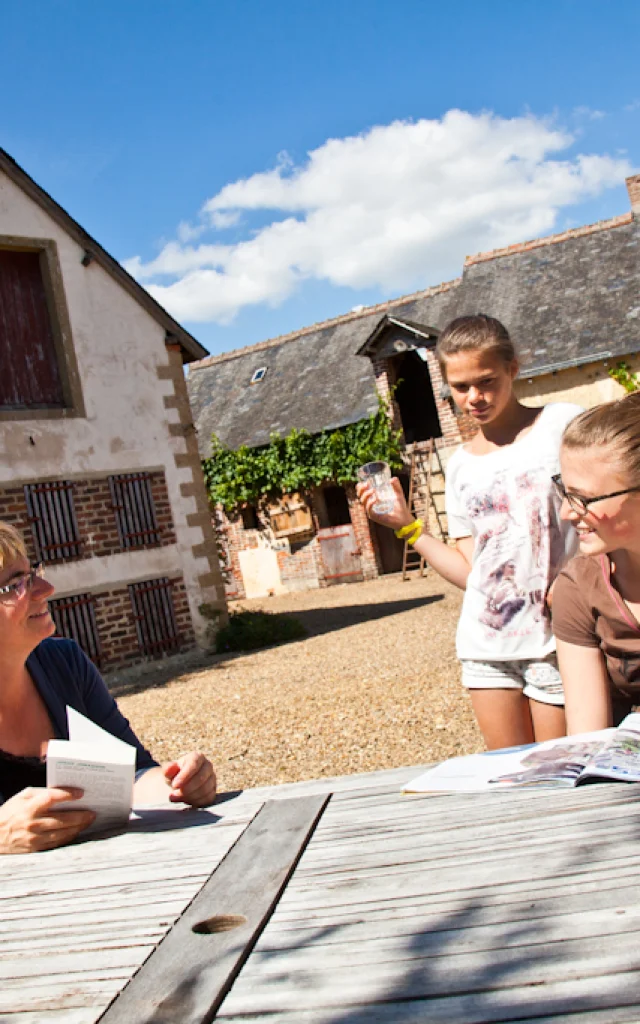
(378, 476)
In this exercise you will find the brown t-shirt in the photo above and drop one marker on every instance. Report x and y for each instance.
(588, 611)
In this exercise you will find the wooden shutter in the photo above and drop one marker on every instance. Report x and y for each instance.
(290, 516)
(53, 521)
(155, 617)
(75, 618)
(29, 372)
(135, 510)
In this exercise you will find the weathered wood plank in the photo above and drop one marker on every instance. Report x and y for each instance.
(110, 873)
(86, 992)
(464, 930)
(433, 978)
(189, 974)
(159, 915)
(402, 828)
(68, 1016)
(415, 892)
(390, 779)
(490, 1006)
(84, 942)
(627, 1011)
(132, 846)
(589, 895)
(48, 965)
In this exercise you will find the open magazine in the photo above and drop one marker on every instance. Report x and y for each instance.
(612, 754)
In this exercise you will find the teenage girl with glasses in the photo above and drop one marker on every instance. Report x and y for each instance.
(503, 513)
(596, 602)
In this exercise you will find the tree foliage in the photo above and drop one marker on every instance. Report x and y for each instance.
(241, 476)
(626, 377)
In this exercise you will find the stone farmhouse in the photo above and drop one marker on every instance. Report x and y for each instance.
(572, 304)
(100, 467)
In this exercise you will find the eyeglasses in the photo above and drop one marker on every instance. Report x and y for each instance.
(580, 504)
(18, 588)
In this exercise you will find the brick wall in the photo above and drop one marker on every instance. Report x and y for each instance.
(234, 538)
(116, 625)
(301, 566)
(97, 527)
(13, 510)
(95, 515)
(633, 188)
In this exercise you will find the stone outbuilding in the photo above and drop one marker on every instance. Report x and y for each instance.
(571, 302)
(100, 467)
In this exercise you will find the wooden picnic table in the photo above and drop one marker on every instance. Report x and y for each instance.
(336, 902)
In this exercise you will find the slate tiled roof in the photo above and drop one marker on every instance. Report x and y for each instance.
(566, 299)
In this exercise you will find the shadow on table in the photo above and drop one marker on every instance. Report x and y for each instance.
(315, 620)
(158, 819)
(514, 953)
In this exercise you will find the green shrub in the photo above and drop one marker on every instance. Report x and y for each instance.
(247, 631)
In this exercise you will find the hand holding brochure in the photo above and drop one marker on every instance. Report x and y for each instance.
(571, 761)
(97, 762)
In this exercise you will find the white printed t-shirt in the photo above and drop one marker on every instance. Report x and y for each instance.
(506, 502)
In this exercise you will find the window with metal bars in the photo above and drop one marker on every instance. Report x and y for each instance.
(75, 618)
(53, 520)
(135, 510)
(154, 616)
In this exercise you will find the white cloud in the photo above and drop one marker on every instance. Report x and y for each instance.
(396, 207)
(589, 113)
(224, 218)
(187, 232)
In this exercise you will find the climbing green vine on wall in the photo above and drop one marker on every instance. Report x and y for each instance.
(247, 476)
(626, 377)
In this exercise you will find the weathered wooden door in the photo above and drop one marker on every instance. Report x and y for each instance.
(29, 374)
(340, 555)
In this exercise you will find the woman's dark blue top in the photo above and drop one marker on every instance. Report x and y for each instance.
(63, 675)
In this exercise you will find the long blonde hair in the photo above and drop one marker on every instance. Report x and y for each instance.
(615, 426)
(11, 545)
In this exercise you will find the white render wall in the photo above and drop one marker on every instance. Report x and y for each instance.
(119, 348)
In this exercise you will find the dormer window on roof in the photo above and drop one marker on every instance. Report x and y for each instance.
(258, 375)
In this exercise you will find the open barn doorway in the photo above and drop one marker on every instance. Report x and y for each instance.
(415, 399)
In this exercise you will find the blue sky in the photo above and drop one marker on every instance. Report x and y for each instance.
(264, 165)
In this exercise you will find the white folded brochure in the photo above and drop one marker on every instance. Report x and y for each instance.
(97, 762)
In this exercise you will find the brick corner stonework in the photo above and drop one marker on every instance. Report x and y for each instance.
(211, 582)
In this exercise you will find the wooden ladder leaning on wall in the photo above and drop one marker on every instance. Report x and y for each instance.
(423, 474)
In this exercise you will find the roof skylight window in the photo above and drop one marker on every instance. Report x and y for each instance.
(258, 375)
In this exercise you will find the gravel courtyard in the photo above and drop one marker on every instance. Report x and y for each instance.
(374, 685)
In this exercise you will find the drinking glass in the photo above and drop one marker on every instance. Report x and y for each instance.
(378, 475)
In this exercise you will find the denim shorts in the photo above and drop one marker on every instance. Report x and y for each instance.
(538, 678)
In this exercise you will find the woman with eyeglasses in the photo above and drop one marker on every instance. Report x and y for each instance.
(596, 598)
(39, 677)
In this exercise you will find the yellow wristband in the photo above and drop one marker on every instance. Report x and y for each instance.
(417, 533)
(404, 531)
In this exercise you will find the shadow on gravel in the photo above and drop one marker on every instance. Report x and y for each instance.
(316, 621)
(325, 620)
